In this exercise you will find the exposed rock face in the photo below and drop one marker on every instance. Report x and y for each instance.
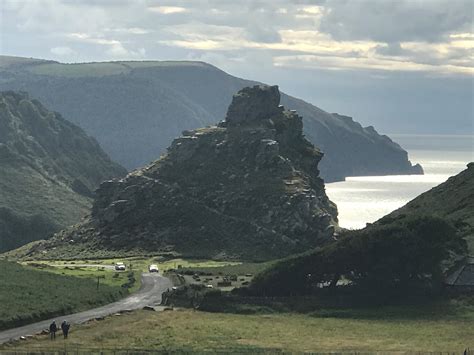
(49, 169)
(248, 188)
(253, 104)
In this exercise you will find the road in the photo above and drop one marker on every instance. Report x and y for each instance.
(152, 287)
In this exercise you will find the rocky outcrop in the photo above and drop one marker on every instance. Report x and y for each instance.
(49, 169)
(247, 188)
(253, 105)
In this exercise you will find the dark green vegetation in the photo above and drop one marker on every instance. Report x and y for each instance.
(28, 295)
(239, 269)
(135, 109)
(246, 190)
(49, 169)
(452, 200)
(396, 261)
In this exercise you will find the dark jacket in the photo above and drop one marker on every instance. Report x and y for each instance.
(65, 326)
(53, 328)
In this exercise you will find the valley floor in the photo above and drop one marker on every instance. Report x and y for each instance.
(189, 330)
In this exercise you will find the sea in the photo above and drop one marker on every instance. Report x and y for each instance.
(365, 199)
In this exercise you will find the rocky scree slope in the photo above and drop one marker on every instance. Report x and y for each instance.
(247, 189)
(135, 109)
(49, 169)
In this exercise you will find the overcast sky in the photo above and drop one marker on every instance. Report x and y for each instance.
(403, 66)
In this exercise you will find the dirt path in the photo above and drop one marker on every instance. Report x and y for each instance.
(108, 267)
(152, 287)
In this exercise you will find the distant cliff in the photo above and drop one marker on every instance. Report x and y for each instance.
(245, 189)
(49, 169)
(135, 109)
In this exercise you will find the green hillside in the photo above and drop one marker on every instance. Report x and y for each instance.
(135, 110)
(452, 200)
(49, 169)
(29, 295)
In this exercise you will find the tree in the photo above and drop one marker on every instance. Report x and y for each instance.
(378, 258)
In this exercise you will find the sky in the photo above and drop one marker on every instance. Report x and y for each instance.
(404, 66)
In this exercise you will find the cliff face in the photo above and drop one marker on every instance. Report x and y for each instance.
(135, 109)
(49, 169)
(247, 188)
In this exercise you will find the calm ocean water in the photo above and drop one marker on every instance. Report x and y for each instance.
(362, 200)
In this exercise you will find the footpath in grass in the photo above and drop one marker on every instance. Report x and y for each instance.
(28, 295)
(188, 330)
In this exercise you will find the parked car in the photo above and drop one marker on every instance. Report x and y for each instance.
(119, 266)
(209, 286)
(153, 268)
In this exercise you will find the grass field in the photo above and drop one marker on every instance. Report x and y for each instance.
(28, 295)
(142, 263)
(188, 330)
(101, 68)
(136, 265)
(129, 280)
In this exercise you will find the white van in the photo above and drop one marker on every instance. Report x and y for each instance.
(153, 268)
(119, 266)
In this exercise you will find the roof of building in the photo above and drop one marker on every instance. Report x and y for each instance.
(463, 276)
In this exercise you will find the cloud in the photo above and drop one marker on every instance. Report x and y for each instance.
(396, 21)
(350, 63)
(390, 49)
(258, 33)
(394, 35)
(84, 37)
(167, 10)
(62, 51)
(131, 30)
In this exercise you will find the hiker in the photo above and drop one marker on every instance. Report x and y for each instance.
(53, 329)
(65, 328)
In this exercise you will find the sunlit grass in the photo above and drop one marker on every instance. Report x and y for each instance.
(199, 331)
(28, 295)
(142, 263)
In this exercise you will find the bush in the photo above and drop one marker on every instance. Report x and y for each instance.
(379, 258)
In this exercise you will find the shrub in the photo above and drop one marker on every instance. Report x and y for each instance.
(378, 258)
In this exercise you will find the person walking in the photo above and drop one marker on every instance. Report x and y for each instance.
(65, 328)
(53, 328)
